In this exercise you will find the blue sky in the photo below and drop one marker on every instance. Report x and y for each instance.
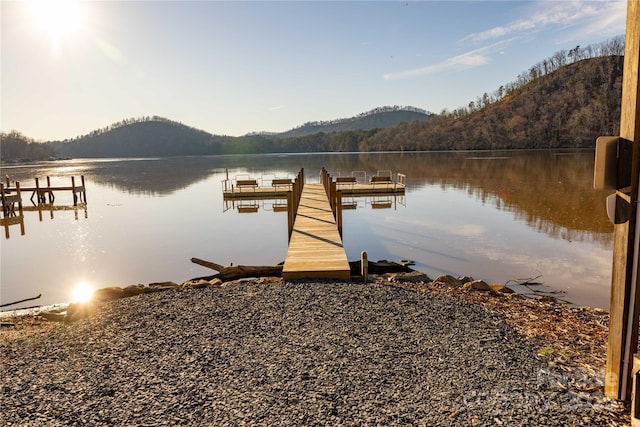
(70, 67)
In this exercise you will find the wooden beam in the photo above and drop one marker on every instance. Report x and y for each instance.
(623, 324)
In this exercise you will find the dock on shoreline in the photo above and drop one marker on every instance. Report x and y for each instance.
(11, 195)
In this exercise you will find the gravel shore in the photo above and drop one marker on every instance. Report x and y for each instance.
(287, 354)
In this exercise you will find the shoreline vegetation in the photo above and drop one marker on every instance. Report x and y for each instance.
(570, 342)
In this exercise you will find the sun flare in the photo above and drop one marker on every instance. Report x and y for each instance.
(82, 292)
(58, 20)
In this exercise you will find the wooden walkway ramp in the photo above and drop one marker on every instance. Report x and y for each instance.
(315, 247)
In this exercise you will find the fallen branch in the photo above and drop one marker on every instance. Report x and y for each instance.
(233, 272)
(208, 264)
(525, 282)
(380, 267)
(18, 302)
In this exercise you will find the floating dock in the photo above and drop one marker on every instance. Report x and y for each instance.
(315, 247)
(278, 188)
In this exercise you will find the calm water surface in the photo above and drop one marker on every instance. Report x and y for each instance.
(497, 216)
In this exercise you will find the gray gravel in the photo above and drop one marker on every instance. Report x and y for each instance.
(285, 354)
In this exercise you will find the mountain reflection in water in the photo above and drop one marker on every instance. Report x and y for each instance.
(549, 191)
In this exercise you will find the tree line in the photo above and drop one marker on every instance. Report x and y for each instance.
(16, 146)
(558, 60)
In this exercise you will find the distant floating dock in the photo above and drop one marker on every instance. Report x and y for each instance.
(358, 184)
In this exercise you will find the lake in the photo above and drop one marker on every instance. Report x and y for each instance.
(496, 216)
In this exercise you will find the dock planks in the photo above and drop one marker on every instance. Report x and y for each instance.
(315, 247)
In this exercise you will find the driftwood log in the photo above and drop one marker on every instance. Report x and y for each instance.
(379, 267)
(233, 272)
(22, 300)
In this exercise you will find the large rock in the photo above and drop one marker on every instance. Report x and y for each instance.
(478, 285)
(160, 287)
(201, 283)
(108, 294)
(447, 280)
(170, 285)
(133, 290)
(500, 288)
(465, 279)
(196, 284)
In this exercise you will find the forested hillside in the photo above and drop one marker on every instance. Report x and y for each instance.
(14, 146)
(160, 137)
(567, 100)
(378, 118)
(146, 137)
(568, 108)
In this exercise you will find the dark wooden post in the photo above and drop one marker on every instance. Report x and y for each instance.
(19, 195)
(40, 197)
(73, 190)
(50, 192)
(4, 202)
(623, 322)
(84, 189)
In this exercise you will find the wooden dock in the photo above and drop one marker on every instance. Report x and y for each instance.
(10, 195)
(314, 215)
(348, 189)
(315, 247)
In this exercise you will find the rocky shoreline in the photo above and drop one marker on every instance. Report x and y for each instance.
(401, 350)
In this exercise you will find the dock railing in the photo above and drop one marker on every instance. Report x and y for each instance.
(335, 197)
(293, 200)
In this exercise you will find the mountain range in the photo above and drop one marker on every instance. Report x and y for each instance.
(567, 100)
(161, 137)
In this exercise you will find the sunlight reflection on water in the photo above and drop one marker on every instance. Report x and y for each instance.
(520, 215)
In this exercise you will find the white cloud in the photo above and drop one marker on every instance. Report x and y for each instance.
(585, 18)
(588, 15)
(473, 58)
(609, 23)
(275, 108)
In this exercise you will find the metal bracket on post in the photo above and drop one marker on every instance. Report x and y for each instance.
(612, 171)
